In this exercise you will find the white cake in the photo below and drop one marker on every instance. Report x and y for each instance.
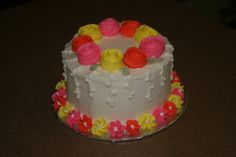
(115, 96)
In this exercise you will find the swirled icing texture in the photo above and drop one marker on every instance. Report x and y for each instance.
(147, 122)
(111, 59)
(99, 127)
(109, 27)
(88, 54)
(153, 46)
(144, 31)
(92, 30)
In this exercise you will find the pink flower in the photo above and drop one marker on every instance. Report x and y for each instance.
(177, 91)
(176, 77)
(88, 54)
(161, 116)
(72, 119)
(116, 129)
(109, 27)
(153, 46)
(59, 98)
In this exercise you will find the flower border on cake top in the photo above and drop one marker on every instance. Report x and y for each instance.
(151, 45)
(101, 128)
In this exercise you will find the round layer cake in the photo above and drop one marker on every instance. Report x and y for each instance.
(118, 81)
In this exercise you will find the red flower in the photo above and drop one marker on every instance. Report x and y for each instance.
(84, 124)
(175, 77)
(170, 109)
(79, 41)
(132, 127)
(59, 98)
(57, 105)
(129, 27)
(134, 58)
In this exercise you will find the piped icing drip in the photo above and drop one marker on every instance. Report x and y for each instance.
(88, 54)
(109, 27)
(153, 46)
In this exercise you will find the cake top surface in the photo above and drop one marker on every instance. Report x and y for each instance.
(116, 48)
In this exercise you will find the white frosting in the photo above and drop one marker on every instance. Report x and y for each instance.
(115, 96)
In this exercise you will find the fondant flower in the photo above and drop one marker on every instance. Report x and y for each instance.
(60, 84)
(99, 127)
(134, 58)
(129, 27)
(72, 120)
(79, 41)
(175, 77)
(111, 59)
(132, 127)
(153, 46)
(177, 100)
(88, 54)
(92, 30)
(85, 124)
(144, 31)
(59, 98)
(161, 116)
(177, 91)
(170, 109)
(177, 85)
(109, 27)
(64, 111)
(147, 122)
(116, 129)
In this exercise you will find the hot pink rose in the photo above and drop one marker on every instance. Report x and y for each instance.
(72, 119)
(109, 27)
(153, 46)
(88, 54)
(161, 116)
(116, 129)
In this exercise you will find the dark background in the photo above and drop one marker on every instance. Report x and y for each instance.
(32, 35)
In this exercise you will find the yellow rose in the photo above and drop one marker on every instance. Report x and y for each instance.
(111, 59)
(92, 30)
(99, 127)
(177, 100)
(60, 84)
(147, 122)
(64, 111)
(144, 31)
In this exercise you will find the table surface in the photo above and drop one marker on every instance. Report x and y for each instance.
(32, 36)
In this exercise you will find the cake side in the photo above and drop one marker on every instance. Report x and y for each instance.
(99, 93)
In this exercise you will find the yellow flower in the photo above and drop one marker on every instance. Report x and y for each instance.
(99, 127)
(177, 85)
(111, 59)
(64, 111)
(147, 122)
(144, 31)
(60, 84)
(177, 100)
(92, 30)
